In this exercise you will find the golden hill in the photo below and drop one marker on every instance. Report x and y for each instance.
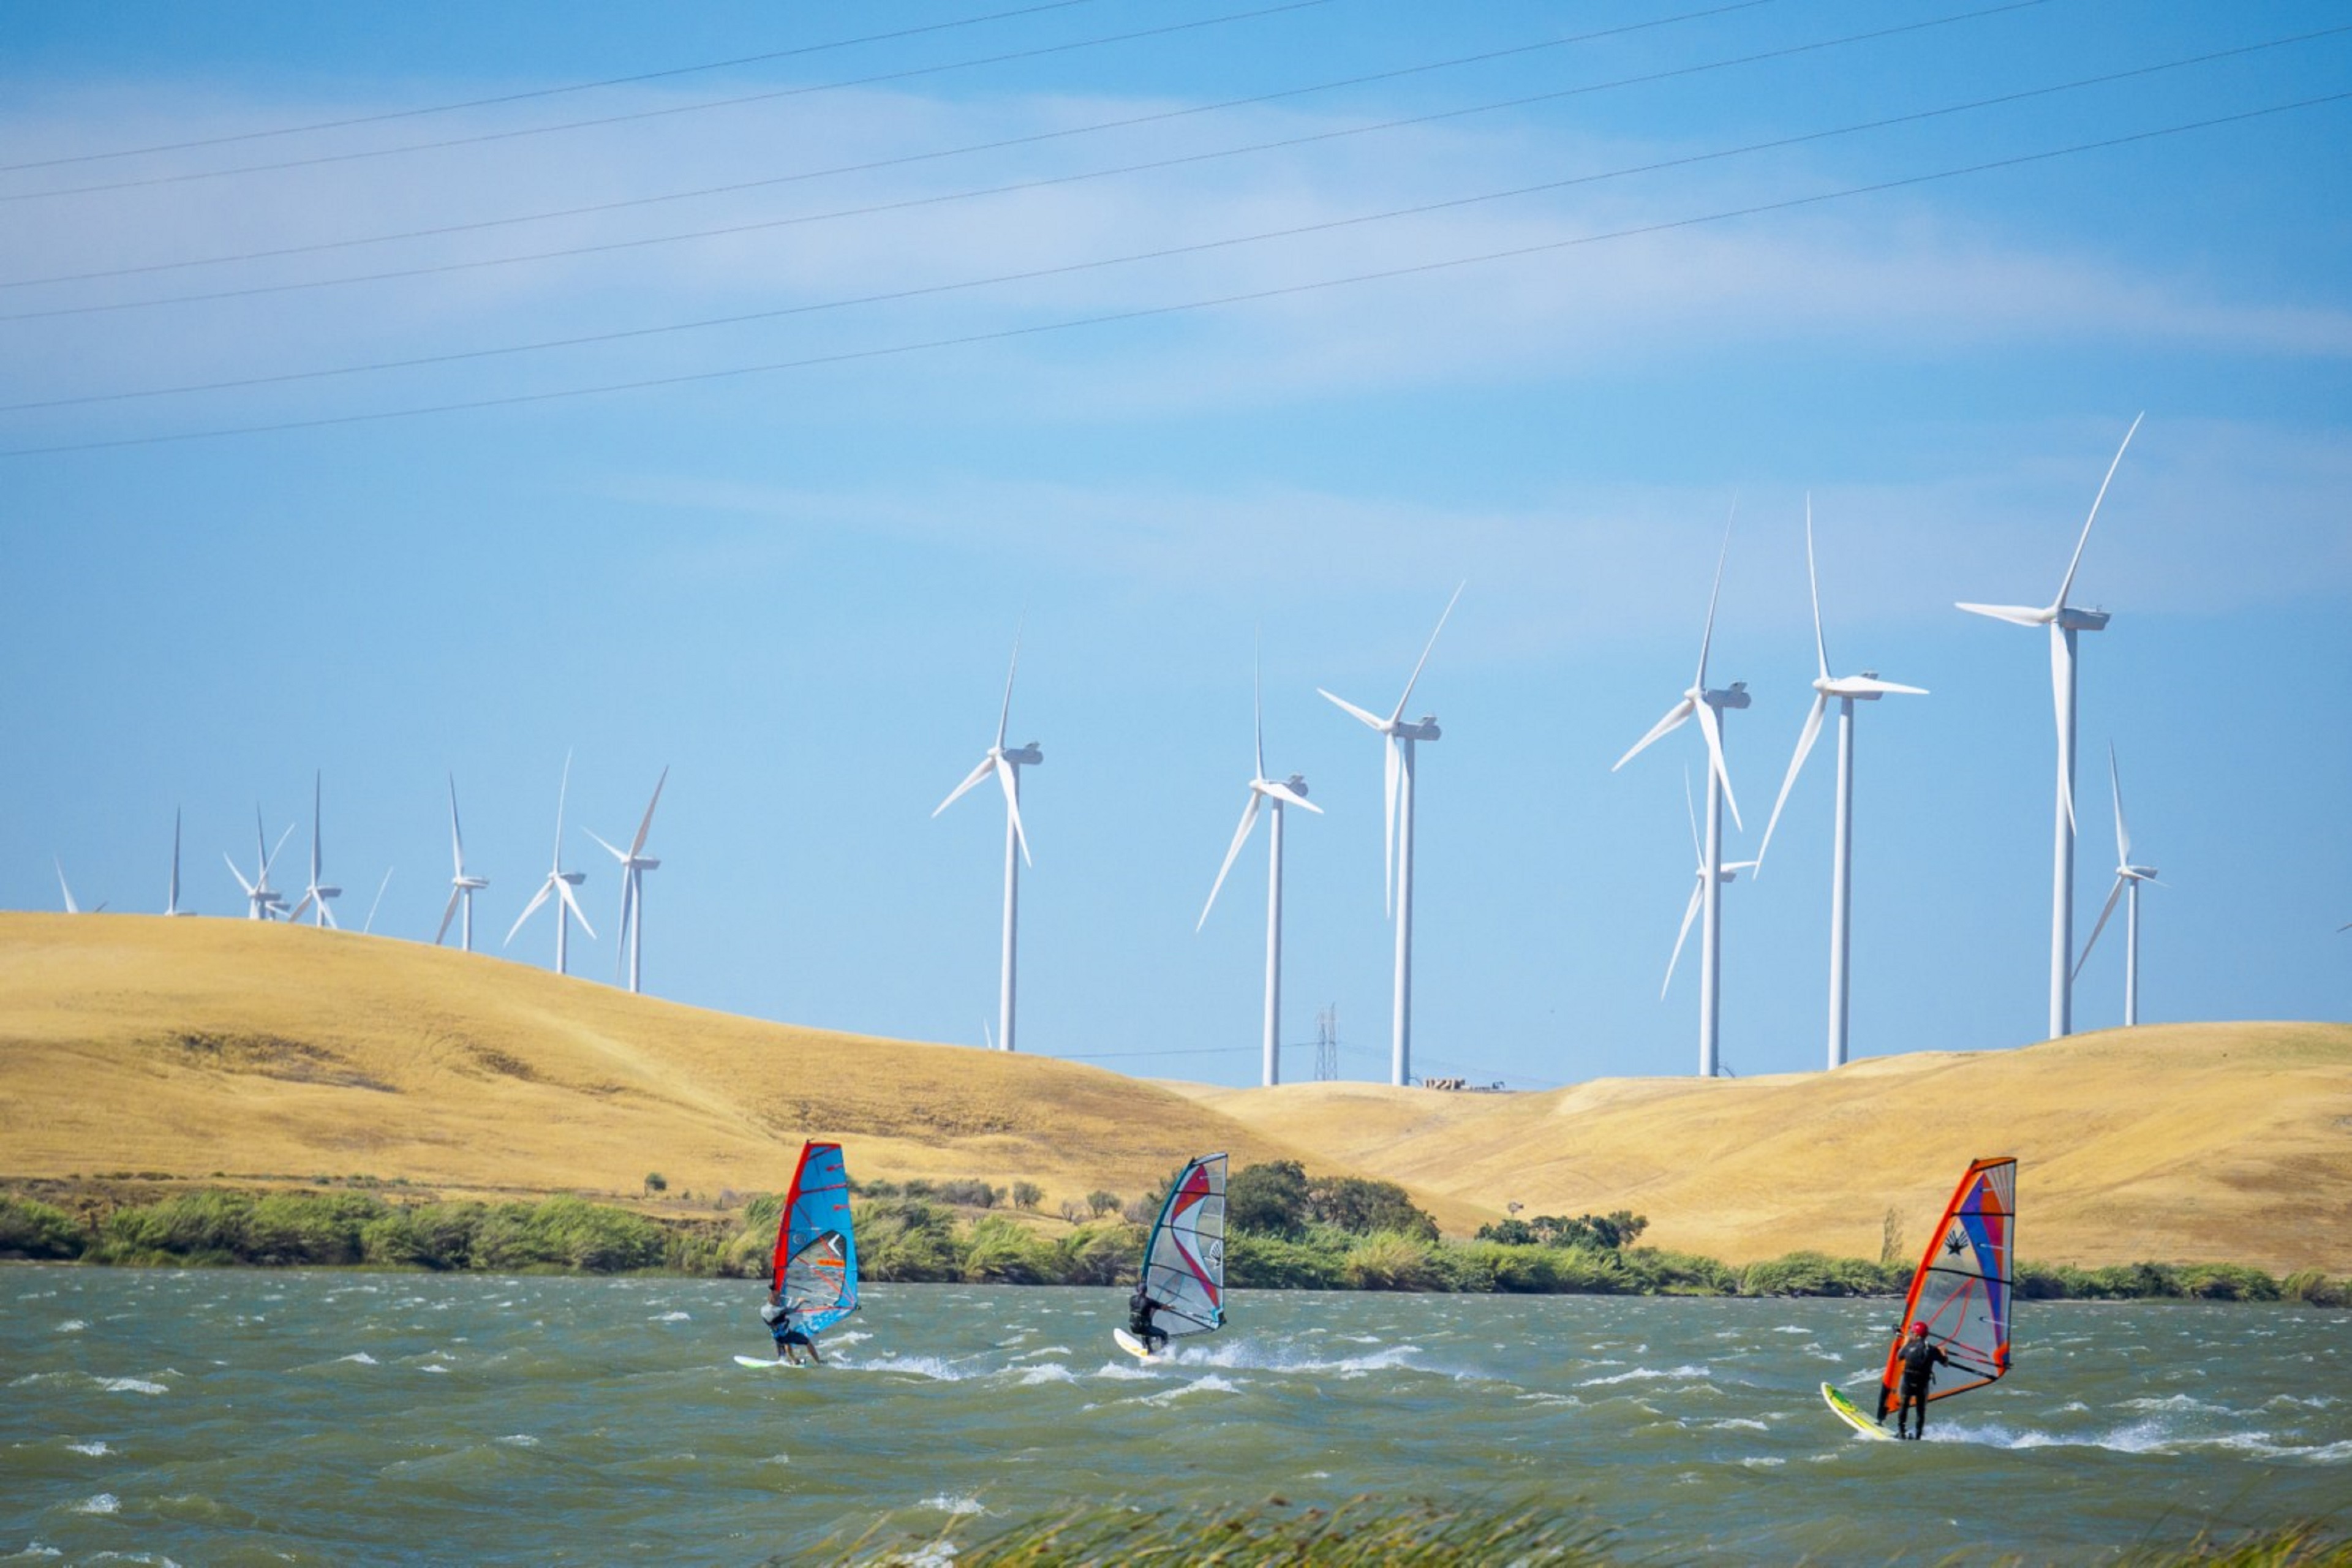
(215, 1048)
(2191, 1142)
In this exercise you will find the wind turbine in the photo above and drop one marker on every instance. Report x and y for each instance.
(2063, 621)
(1396, 841)
(559, 885)
(171, 904)
(1007, 765)
(314, 896)
(2128, 878)
(1848, 690)
(1709, 704)
(71, 908)
(376, 903)
(1288, 792)
(262, 902)
(1726, 875)
(629, 941)
(464, 885)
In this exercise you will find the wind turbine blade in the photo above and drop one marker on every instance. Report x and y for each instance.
(1257, 709)
(173, 907)
(1690, 913)
(308, 900)
(563, 790)
(1699, 855)
(530, 909)
(457, 839)
(621, 933)
(622, 856)
(448, 914)
(1665, 726)
(1813, 582)
(74, 908)
(233, 872)
(1859, 685)
(2062, 671)
(2066, 585)
(1241, 835)
(563, 891)
(1415, 678)
(1004, 714)
(1374, 720)
(987, 766)
(1290, 797)
(1804, 749)
(1714, 733)
(2123, 833)
(369, 929)
(327, 913)
(2113, 894)
(315, 792)
(1706, 640)
(2015, 614)
(272, 859)
(638, 843)
(1005, 776)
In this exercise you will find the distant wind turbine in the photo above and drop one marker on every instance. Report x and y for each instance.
(262, 902)
(171, 904)
(1848, 690)
(314, 895)
(629, 941)
(2128, 878)
(1709, 704)
(1288, 792)
(464, 885)
(1398, 738)
(1006, 765)
(1726, 875)
(2063, 621)
(71, 908)
(559, 885)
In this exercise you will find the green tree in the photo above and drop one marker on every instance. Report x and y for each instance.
(656, 1182)
(1270, 1199)
(1362, 1208)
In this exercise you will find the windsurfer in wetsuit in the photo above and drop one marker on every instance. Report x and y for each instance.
(1139, 1308)
(1919, 1361)
(784, 1324)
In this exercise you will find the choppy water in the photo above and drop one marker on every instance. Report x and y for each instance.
(231, 1417)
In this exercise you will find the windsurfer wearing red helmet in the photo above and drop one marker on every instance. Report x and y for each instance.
(1919, 1358)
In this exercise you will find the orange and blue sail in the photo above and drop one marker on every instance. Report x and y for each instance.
(1965, 1285)
(816, 1264)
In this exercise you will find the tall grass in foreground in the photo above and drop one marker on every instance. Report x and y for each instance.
(1364, 1532)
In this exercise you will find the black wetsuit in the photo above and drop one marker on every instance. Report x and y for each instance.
(784, 1327)
(1139, 1308)
(1919, 1361)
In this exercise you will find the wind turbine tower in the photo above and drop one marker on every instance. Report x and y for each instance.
(2064, 621)
(1399, 738)
(262, 902)
(1848, 690)
(630, 940)
(558, 885)
(2128, 878)
(1709, 703)
(1288, 792)
(464, 885)
(1005, 763)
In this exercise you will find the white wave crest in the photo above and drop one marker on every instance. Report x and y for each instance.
(673, 1318)
(94, 1448)
(1211, 1384)
(1051, 1372)
(1049, 1350)
(937, 1368)
(71, 1326)
(104, 1503)
(519, 1440)
(362, 1357)
(2171, 1402)
(958, 1506)
(130, 1386)
(1646, 1373)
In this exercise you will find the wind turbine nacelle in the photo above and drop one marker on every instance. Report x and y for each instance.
(2075, 620)
(330, 892)
(574, 878)
(1296, 785)
(1733, 696)
(470, 884)
(646, 863)
(1028, 756)
(1426, 730)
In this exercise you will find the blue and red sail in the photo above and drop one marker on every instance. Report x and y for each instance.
(816, 1264)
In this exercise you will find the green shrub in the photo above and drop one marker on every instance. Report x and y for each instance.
(2314, 1288)
(1390, 1261)
(1270, 1199)
(29, 1228)
(969, 1193)
(192, 1228)
(905, 1239)
(1104, 1253)
(1272, 1262)
(1027, 1194)
(1364, 1207)
(1813, 1274)
(1001, 1251)
(1660, 1272)
(2228, 1282)
(308, 1229)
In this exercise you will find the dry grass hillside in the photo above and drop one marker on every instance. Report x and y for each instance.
(2209, 1142)
(204, 1047)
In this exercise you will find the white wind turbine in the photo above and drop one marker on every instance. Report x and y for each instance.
(171, 904)
(262, 902)
(1848, 690)
(1288, 792)
(629, 941)
(464, 885)
(1725, 875)
(2063, 621)
(559, 885)
(1709, 704)
(314, 896)
(1006, 765)
(1399, 738)
(2128, 878)
(71, 908)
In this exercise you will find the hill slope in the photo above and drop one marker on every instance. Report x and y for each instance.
(198, 1048)
(2221, 1142)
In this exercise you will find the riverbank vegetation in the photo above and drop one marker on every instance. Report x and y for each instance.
(1287, 1231)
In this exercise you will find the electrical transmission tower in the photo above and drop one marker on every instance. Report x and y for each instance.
(1327, 1043)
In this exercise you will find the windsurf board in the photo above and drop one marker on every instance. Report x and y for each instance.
(1852, 1415)
(1133, 1346)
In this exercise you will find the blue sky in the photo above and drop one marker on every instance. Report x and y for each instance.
(796, 587)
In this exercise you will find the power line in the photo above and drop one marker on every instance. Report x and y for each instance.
(872, 165)
(1066, 269)
(529, 94)
(1189, 306)
(877, 78)
(1045, 181)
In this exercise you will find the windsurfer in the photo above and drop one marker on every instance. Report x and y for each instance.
(1139, 1308)
(1919, 1358)
(784, 1324)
